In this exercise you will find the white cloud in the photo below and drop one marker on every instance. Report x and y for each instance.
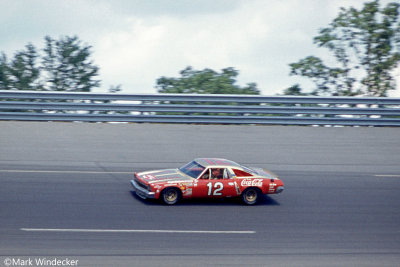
(242, 38)
(166, 45)
(259, 38)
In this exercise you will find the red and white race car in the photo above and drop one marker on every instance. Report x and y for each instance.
(207, 178)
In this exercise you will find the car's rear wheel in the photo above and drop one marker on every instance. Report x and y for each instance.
(250, 196)
(171, 195)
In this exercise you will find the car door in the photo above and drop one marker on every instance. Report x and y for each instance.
(208, 185)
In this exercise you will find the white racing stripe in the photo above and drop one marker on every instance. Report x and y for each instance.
(387, 175)
(47, 171)
(134, 231)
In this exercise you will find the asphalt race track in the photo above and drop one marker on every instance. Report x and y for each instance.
(65, 195)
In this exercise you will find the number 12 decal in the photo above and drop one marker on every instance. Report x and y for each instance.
(218, 188)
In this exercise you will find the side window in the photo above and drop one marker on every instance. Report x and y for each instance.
(217, 173)
(240, 173)
(206, 174)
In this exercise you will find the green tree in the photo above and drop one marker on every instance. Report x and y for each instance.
(23, 71)
(366, 46)
(5, 82)
(294, 90)
(64, 65)
(67, 65)
(205, 81)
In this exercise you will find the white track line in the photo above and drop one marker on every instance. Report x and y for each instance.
(387, 175)
(44, 171)
(134, 231)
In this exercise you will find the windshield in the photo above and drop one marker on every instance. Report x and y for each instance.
(193, 169)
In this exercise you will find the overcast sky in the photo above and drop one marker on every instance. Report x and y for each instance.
(134, 42)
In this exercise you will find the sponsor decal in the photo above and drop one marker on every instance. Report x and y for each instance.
(182, 186)
(175, 181)
(187, 192)
(167, 180)
(251, 182)
(237, 188)
(271, 187)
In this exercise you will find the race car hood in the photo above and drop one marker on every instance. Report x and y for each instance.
(160, 176)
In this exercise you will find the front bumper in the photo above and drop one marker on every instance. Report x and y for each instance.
(141, 192)
(279, 189)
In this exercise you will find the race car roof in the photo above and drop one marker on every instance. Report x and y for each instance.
(207, 162)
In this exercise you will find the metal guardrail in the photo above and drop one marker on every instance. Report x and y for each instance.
(189, 108)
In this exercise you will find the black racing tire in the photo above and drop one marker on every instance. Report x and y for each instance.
(251, 195)
(171, 195)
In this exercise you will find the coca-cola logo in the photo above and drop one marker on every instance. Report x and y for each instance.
(251, 182)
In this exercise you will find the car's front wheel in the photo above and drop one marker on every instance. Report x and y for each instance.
(171, 195)
(250, 196)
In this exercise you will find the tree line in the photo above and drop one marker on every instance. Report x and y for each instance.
(364, 43)
(62, 65)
